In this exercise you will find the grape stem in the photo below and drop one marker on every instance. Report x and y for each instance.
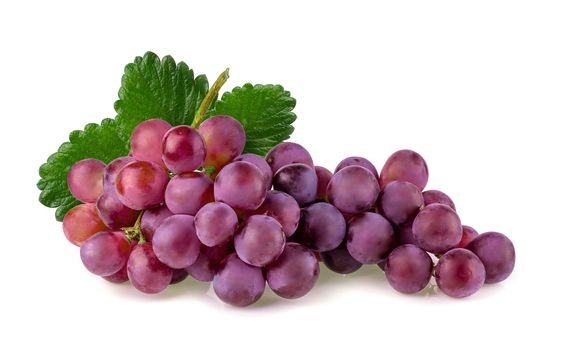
(135, 231)
(209, 98)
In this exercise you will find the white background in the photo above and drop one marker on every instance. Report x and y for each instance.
(481, 89)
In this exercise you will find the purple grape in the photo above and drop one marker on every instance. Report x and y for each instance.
(468, 235)
(238, 283)
(205, 266)
(294, 273)
(408, 269)
(434, 196)
(497, 253)
(141, 185)
(260, 240)
(459, 273)
(400, 201)
(224, 138)
(175, 243)
(119, 276)
(282, 207)
(287, 153)
(82, 222)
(404, 233)
(240, 185)
(437, 228)
(178, 276)
(323, 178)
(353, 189)
(105, 253)
(111, 171)
(215, 224)
(146, 140)
(322, 227)
(382, 264)
(358, 161)
(152, 219)
(299, 181)
(183, 149)
(146, 272)
(405, 165)
(340, 261)
(370, 238)
(85, 180)
(113, 213)
(262, 165)
(187, 193)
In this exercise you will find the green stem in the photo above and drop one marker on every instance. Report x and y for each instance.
(210, 96)
(135, 231)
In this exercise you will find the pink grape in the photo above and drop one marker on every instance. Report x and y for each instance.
(187, 193)
(282, 207)
(459, 273)
(120, 276)
(287, 153)
(468, 235)
(152, 219)
(437, 228)
(215, 223)
(105, 253)
(238, 283)
(141, 185)
(353, 189)
(147, 139)
(405, 165)
(370, 238)
(260, 240)
(262, 165)
(224, 138)
(183, 149)
(112, 169)
(82, 222)
(85, 179)
(175, 243)
(400, 201)
(146, 272)
(434, 196)
(323, 178)
(358, 161)
(240, 185)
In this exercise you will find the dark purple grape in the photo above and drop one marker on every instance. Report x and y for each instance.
(299, 181)
(408, 269)
(175, 243)
(405, 165)
(205, 266)
(152, 219)
(262, 165)
(82, 222)
(146, 272)
(434, 196)
(370, 238)
(340, 261)
(240, 185)
(468, 235)
(260, 240)
(323, 178)
(322, 227)
(178, 276)
(85, 180)
(183, 149)
(497, 253)
(358, 161)
(215, 223)
(287, 153)
(119, 276)
(400, 201)
(459, 273)
(187, 193)
(353, 189)
(105, 253)
(113, 213)
(238, 283)
(225, 139)
(141, 185)
(437, 228)
(294, 273)
(282, 207)
(382, 264)
(147, 139)
(404, 233)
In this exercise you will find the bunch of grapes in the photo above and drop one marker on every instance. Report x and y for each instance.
(187, 202)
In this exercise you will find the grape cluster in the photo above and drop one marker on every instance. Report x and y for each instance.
(187, 202)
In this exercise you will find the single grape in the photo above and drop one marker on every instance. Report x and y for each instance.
(240, 185)
(111, 171)
(260, 240)
(468, 235)
(282, 207)
(459, 273)
(187, 193)
(437, 228)
(340, 261)
(405, 165)
(400, 201)
(294, 273)
(85, 179)
(353, 189)
(183, 149)
(297, 180)
(434, 196)
(408, 269)
(404, 233)
(224, 138)
(113, 213)
(82, 222)
(147, 139)
(287, 153)
(262, 165)
(215, 223)
(120, 276)
(105, 253)
(497, 253)
(178, 276)
(323, 178)
(370, 238)
(175, 243)
(146, 272)
(152, 219)
(322, 227)
(358, 161)
(205, 266)
(141, 185)
(238, 283)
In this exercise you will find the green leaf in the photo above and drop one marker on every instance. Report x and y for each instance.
(95, 141)
(151, 88)
(265, 111)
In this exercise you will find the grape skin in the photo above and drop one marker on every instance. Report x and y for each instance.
(238, 283)
(404, 233)
(152, 219)
(370, 238)
(323, 178)
(294, 273)
(82, 222)
(405, 165)
(183, 149)
(282, 207)
(340, 261)
(146, 272)
(297, 180)
(260, 240)
(400, 201)
(459, 273)
(187, 193)
(113, 213)
(262, 165)
(240, 185)
(141, 185)
(358, 161)
(215, 223)
(119, 276)
(178, 275)
(287, 153)
(497, 253)
(435, 196)
(105, 253)
(408, 269)
(85, 180)
(468, 235)
(111, 171)
(146, 140)
(175, 243)
(224, 138)
(437, 228)
(353, 189)
(205, 266)
(322, 227)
